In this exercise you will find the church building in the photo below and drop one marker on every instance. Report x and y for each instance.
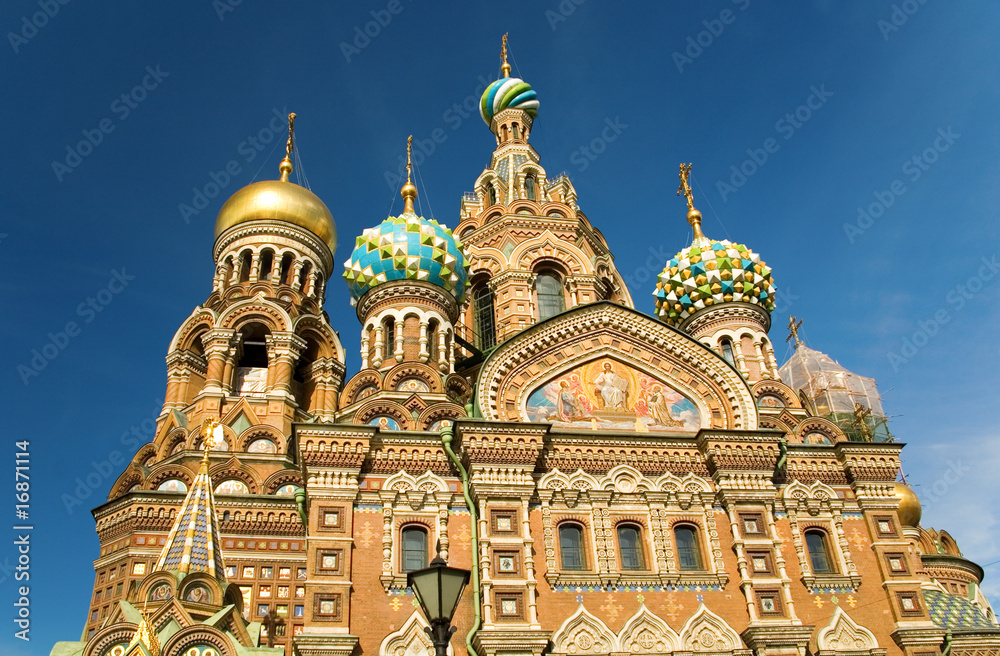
(621, 476)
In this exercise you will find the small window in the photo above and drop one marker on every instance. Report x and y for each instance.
(388, 335)
(517, 133)
(414, 548)
(688, 552)
(492, 194)
(571, 546)
(727, 351)
(551, 300)
(245, 266)
(630, 547)
(529, 187)
(819, 553)
(432, 340)
(483, 316)
(266, 263)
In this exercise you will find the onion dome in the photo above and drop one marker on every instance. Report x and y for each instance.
(507, 92)
(909, 505)
(710, 272)
(279, 200)
(407, 247)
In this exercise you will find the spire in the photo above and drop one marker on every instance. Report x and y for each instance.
(145, 637)
(504, 66)
(694, 216)
(409, 191)
(286, 164)
(793, 330)
(193, 544)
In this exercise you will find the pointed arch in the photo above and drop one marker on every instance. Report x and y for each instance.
(584, 633)
(843, 634)
(707, 632)
(646, 633)
(410, 639)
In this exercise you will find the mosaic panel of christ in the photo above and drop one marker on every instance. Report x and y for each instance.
(606, 394)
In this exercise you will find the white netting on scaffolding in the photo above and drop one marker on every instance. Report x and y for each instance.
(833, 392)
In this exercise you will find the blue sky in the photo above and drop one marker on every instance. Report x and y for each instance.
(840, 97)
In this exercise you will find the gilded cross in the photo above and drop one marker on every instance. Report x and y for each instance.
(291, 135)
(504, 66)
(685, 187)
(793, 329)
(860, 422)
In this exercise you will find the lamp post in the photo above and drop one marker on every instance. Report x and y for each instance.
(438, 589)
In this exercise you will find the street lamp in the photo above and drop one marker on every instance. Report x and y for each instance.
(438, 589)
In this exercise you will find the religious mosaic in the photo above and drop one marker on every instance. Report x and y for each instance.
(606, 394)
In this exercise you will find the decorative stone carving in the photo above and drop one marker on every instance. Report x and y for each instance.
(707, 632)
(844, 634)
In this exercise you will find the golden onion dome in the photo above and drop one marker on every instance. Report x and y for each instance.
(278, 200)
(909, 505)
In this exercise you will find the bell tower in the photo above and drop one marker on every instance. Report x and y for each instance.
(533, 253)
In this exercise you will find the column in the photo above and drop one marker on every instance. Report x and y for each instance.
(443, 357)
(217, 345)
(764, 372)
(286, 348)
(424, 353)
(397, 346)
(364, 347)
(379, 341)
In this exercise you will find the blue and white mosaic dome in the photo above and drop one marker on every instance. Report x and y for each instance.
(407, 247)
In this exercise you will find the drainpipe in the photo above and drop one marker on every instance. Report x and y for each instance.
(446, 437)
(947, 643)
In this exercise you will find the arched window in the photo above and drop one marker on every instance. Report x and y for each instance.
(819, 552)
(483, 316)
(688, 552)
(492, 192)
(245, 266)
(414, 548)
(551, 300)
(727, 351)
(517, 132)
(432, 340)
(389, 337)
(630, 547)
(250, 374)
(571, 546)
(266, 263)
(529, 187)
(285, 274)
(304, 276)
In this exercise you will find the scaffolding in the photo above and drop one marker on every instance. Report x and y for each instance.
(829, 390)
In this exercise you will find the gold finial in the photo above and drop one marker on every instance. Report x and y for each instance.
(504, 66)
(212, 433)
(409, 190)
(793, 329)
(694, 216)
(286, 164)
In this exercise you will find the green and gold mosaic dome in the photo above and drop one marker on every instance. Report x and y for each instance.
(708, 273)
(407, 247)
